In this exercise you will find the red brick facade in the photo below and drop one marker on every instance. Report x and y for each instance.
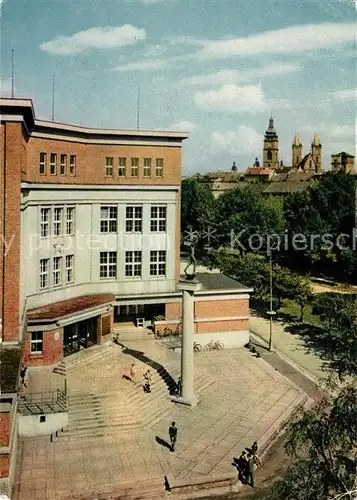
(227, 315)
(52, 349)
(4, 465)
(13, 160)
(5, 423)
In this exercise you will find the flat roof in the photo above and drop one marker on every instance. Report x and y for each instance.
(219, 282)
(25, 106)
(68, 307)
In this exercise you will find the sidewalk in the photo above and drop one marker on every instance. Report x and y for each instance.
(290, 346)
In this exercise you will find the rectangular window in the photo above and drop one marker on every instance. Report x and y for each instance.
(53, 164)
(134, 219)
(63, 165)
(147, 167)
(158, 219)
(43, 161)
(108, 219)
(44, 263)
(134, 167)
(57, 221)
(122, 167)
(36, 342)
(133, 263)
(109, 161)
(159, 167)
(57, 271)
(70, 221)
(72, 165)
(45, 222)
(108, 265)
(158, 263)
(69, 268)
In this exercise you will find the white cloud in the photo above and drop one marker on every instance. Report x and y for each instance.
(343, 131)
(142, 66)
(236, 76)
(345, 94)
(184, 126)
(5, 87)
(245, 140)
(95, 38)
(232, 98)
(287, 40)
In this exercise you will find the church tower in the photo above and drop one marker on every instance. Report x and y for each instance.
(316, 152)
(271, 147)
(297, 152)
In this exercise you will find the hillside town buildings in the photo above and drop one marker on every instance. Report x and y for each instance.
(274, 177)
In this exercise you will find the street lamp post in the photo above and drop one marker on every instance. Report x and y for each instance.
(271, 313)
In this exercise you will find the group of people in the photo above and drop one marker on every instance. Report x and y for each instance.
(246, 464)
(132, 377)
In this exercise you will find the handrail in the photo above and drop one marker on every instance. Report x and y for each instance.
(42, 402)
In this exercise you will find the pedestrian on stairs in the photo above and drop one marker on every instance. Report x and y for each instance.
(173, 435)
(133, 373)
(147, 381)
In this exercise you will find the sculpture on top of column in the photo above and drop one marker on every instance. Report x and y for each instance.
(191, 242)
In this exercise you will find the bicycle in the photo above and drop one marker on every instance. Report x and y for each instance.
(165, 332)
(214, 346)
(197, 347)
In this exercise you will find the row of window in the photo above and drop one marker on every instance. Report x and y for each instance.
(58, 161)
(133, 264)
(133, 219)
(134, 167)
(63, 220)
(61, 268)
(107, 267)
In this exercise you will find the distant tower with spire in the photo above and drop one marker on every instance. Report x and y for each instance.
(271, 147)
(297, 152)
(316, 152)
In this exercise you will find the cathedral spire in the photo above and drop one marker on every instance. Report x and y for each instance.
(316, 140)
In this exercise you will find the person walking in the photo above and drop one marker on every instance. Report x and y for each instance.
(250, 470)
(254, 448)
(133, 373)
(173, 435)
(179, 386)
(147, 381)
(23, 376)
(254, 453)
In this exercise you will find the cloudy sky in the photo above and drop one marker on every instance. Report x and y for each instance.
(214, 68)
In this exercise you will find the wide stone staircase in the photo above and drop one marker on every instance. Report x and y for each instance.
(108, 403)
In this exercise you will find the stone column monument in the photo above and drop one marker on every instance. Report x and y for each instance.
(188, 286)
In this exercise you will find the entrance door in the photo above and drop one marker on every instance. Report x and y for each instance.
(79, 336)
(71, 342)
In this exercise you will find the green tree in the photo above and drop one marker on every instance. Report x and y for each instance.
(197, 208)
(284, 283)
(302, 292)
(251, 270)
(338, 338)
(322, 442)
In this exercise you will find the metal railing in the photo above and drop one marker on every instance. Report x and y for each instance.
(42, 402)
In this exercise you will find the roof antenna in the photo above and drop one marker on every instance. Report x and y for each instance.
(138, 110)
(12, 75)
(53, 98)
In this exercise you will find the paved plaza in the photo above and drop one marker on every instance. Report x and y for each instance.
(117, 433)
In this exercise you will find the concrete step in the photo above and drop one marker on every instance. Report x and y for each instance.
(60, 369)
(88, 356)
(153, 489)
